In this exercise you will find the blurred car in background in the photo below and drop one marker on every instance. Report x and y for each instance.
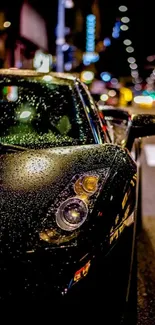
(67, 199)
(118, 122)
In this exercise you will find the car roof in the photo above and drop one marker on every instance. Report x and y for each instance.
(13, 72)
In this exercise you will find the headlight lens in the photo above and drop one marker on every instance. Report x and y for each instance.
(90, 184)
(87, 185)
(71, 214)
(71, 207)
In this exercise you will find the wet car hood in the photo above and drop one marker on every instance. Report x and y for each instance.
(30, 180)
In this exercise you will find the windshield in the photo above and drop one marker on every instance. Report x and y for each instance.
(35, 114)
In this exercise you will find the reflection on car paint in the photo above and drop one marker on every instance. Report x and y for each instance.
(127, 218)
(127, 221)
(80, 274)
(127, 194)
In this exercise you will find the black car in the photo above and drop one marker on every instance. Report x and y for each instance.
(118, 123)
(67, 199)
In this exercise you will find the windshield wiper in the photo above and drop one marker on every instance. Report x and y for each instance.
(4, 147)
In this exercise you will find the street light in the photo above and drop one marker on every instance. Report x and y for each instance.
(60, 40)
(60, 37)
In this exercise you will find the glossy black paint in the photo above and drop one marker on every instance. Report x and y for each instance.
(142, 125)
(26, 198)
(38, 260)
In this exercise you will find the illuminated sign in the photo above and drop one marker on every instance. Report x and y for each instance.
(90, 33)
(90, 56)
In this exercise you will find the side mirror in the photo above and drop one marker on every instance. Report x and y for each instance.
(141, 125)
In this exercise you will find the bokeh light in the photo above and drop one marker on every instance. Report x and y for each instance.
(133, 66)
(124, 27)
(131, 59)
(65, 47)
(123, 8)
(87, 76)
(134, 73)
(138, 87)
(127, 42)
(125, 20)
(151, 58)
(130, 49)
(114, 81)
(105, 76)
(112, 93)
(68, 66)
(7, 24)
(107, 41)
(69, 4)
(143, 99)
(104, 97)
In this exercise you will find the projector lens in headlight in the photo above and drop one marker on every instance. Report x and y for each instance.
(71, 214)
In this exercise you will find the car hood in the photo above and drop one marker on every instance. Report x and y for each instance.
(31, 179)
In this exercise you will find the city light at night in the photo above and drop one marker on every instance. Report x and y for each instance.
(87, 76)
(123, 8)
(77, 161)
(7, 24)
(105, 76)
(127, 42)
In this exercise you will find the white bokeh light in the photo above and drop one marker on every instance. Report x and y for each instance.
(127, 42)
(69, 4)
(112, 93)
(134, 73)
(130, 49)
(125, 20)
(143, 99)
(133, 66)
(131, 59)
(124, 27)
(123, 8)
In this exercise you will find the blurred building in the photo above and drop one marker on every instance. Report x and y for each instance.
(23, 31)
(31, 38)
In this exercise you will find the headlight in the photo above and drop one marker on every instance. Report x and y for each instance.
(86, 185)
(72, 206)
(71, 214)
